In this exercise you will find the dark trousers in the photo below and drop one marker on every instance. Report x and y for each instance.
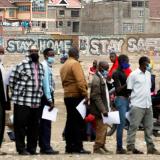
(45, 135)
(45, 129)
(75, 125)
(26, 123)
(2, 122)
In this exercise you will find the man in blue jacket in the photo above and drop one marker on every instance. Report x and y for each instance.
(47, 99)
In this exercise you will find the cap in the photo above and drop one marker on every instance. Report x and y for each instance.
(33, 48)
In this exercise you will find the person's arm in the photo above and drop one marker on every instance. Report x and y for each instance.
(14, 76)
(130, 84)
(46, 87)
(117, 83)
(96, 95)
(80, 79)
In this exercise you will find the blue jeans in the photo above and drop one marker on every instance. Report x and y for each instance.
(122, 105)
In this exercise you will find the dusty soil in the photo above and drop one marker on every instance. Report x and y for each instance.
(57, 127)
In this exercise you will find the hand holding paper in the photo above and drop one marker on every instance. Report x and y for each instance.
(113, 118)
(49, 115)
(82, 108)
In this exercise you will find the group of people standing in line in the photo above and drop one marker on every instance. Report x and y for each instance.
(32, 87)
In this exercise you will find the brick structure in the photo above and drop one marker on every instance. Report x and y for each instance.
(154, 6)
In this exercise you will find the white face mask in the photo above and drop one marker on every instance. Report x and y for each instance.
(1, 58)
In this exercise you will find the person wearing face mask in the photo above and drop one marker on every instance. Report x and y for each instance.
(121, 101)
(47, 99)
(26, 88)
(139, 86)
(100, 104)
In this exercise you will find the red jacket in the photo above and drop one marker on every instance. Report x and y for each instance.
(114, 67)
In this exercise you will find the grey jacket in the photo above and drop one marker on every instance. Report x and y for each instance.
(98, 99)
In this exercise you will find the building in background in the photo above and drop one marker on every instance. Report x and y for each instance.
(88, 17)
(47, 16)
(67, 16)
(154, 16)
(115, 17)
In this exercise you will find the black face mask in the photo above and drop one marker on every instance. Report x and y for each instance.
(34, 57)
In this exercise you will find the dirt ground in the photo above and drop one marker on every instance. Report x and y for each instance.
(57, 127)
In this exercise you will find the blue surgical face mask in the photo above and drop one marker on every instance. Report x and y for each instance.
(51, 60)
(104, 73)
(149, 68)
(124, 65)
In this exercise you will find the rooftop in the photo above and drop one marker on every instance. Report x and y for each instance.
(67, 3)
(6, 4)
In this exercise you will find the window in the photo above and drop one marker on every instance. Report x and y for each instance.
(68, 23)
(140, 27)
(38, 6)
(24, 8)
(74, 13)
(35, 23)
(127, 27)
(11, 12)
(59, 24)
(75, 27)
(141, 13)
(139, 3)
(61, 12)
(134, 4)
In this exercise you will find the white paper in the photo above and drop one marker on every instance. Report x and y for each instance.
(113, 118)
(82, 108)
(128, 116)
(52, 115)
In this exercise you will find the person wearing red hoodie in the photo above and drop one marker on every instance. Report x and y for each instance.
(114, 60)
(121, 101)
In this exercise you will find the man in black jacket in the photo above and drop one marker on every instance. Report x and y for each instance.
(3, 97)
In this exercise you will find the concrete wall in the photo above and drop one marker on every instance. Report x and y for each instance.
(21, 43)
(97, 18)
(127, 44)
(95, 45)
(104, 18)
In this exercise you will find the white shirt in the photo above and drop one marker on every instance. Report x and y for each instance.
(140, 84)
(107, 92)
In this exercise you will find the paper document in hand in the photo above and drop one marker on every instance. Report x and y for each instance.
(52, 115)
(113, 118)
(128, 116)
(82, 108)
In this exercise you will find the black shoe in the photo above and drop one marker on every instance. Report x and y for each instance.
(32, 151)
(134, 151)
(24, 153)
(68, 152)
(121, 151)
(50, 152)
(82, 151)
(153, 151)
